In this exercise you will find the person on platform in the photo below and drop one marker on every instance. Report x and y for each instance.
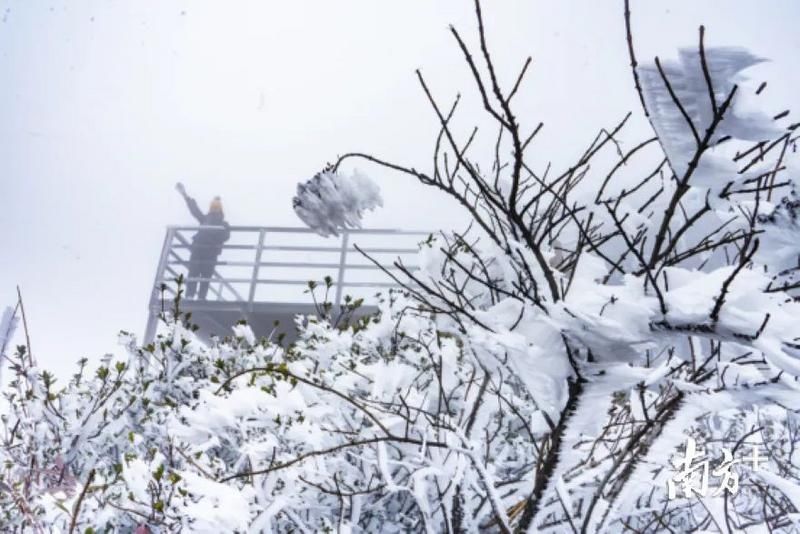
(206, 244)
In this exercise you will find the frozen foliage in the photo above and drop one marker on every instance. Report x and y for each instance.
(537, 373)
(8, 324)
(331, 201)
(244, 435)
(398, 423)
(688, 83)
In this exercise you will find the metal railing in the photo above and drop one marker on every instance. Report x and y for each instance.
(259, 265)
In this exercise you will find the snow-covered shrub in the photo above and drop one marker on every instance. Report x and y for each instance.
(651, 286)
(100, 452)
(405, 421)
(375, 423)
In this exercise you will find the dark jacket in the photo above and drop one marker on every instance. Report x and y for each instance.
(207, 242)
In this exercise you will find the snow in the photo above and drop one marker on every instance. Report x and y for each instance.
(331, 201)
(216, 507)
(725, 65)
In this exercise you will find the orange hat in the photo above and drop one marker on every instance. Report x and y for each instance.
(216, 205)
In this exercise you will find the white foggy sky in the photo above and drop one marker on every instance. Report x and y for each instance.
(106, 104)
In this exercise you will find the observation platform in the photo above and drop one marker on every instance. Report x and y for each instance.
(262, 275)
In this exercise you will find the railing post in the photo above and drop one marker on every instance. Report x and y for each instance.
(256, 266)
(152, 319)
(342, 263)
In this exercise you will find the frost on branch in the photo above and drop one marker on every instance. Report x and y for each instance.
(342, 431)
(630, 291)
(686, 80)
(332, 201)
(8, 325)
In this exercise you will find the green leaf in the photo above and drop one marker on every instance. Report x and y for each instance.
(158, 473)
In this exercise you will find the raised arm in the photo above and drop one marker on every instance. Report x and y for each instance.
(191, 203)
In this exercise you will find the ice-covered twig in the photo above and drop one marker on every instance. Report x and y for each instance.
(332, 201)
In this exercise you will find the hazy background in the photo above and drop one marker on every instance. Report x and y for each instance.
(104, 105)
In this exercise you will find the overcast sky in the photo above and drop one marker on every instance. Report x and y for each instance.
(104, 105)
